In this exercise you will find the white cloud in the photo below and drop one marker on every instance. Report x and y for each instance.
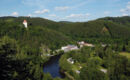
(128, 7)
(64, 8)
(30, 15)
(128, 3)
(122, 10)
(42, 11)
(107, 12)
(124, 14)
(74, 15)
(52, 15)
(125, 11)
(15, 14)
(79, 16)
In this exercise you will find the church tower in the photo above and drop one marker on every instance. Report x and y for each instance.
(25, 23)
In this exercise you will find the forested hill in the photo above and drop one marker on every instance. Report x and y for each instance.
(36, 21)
(95, 29)
(36, 35)
(56, 34)
(120, 20)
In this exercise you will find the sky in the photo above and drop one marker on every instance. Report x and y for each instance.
(65, 10)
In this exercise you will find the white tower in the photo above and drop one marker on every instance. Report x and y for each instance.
(25, 23)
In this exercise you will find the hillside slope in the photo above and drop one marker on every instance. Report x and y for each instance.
(119, 20)
(56, 34)
(32, 38)
(93, 29)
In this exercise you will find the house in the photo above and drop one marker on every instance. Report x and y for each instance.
(82, 43)
(69, 48)
(25, 23)
(77, 71)
(103, 45)
(89, 45)
(103, 70)
(70, 60)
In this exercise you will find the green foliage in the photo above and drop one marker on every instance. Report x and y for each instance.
(47, 77)
(94, 62)
(94, 29)
(20, 56)
(31, 39)
(8, 49)
(64, 64)
(8, 45)
(15, 68)
(118, 69)
(90, 73)
(120, 20)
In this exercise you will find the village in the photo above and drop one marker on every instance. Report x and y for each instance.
(77, 67)
(68, 48)
(74, 47)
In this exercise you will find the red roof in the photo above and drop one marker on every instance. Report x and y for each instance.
(25, 21)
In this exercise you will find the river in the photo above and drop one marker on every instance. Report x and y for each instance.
(52, 67)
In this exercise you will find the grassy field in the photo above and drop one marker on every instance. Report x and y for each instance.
(125, 54)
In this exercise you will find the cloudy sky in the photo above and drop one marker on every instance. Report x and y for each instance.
(65, 10)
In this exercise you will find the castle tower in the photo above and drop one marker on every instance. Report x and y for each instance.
(25, 23)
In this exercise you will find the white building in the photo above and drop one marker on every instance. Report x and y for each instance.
(77, 71)
(69, 48)
(89, 45)
(70, 60)
(103, 45)
(25, 23)
(82, 43)
(103, 70)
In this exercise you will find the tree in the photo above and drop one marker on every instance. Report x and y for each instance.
(117, 70)
(8, 48)
(90, 73)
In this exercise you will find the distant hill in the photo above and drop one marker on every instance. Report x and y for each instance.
(93, 29)
(65, 22)
(40, 32)
(120, 20)
(56, 34)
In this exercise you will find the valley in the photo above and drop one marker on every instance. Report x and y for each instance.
(42, 49)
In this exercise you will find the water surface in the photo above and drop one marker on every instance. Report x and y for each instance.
(52, 67)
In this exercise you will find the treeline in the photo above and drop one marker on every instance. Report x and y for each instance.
(95, 29)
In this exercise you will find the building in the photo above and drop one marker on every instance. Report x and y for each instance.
(69, 48)
(82, 43)
(103, 45)
(25, 23)
(70, 60)
(103, 70)
(89, 45)
(77, 71)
